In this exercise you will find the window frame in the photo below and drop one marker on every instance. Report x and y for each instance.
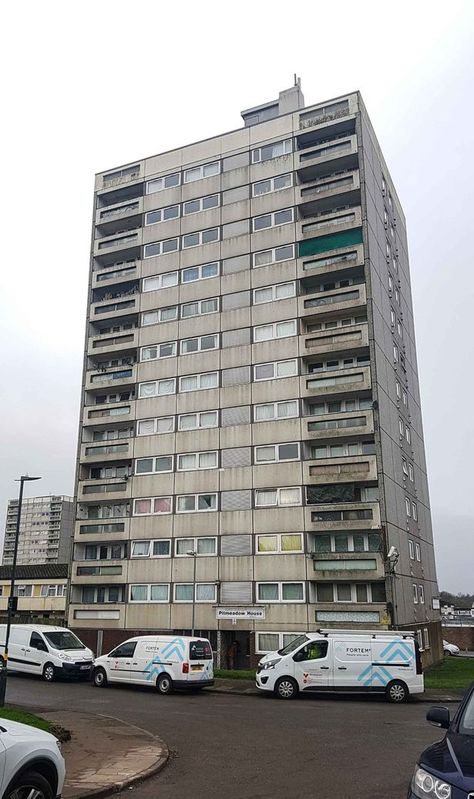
(275, 406)
(274, 328)
(148, 600)
(199, 340)
(161, 220)
(199, 426)
(199, 376)
(158, 357)
(274, 287)
(272, 184)
(200, 268)
(160, 245)
(202, 168)
(273, 259)
(162, 179)
(276, 449)
(156, 432)
(153, 458)
(197, 456)
(201, 200)
(195, 592)
(160, 277)
(150, 542)
(279, 550)
(274, 364)
(287, 149)
(152, 501)
(200, 304)
(196, 496)
(157, 383)
(200, 234)
(278, 491)
(194, 547)
(273, 215)
(280, 584)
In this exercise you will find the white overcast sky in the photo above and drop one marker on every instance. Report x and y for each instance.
(92, 85)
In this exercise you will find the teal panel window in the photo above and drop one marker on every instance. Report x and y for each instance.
(333, 241)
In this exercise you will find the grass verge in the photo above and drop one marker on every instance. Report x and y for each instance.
(242, 674)
(17, 714)
(453, 673)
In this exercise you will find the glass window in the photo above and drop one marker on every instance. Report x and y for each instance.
(343, 592)
(267, 592)
(267, 543)
(140, 549)
(325, 592)
(183, 593)
(361, 592)
(205, 592)
(159, 593)
(378, 592)
(161, 549)
(292, 592)
(138, 593)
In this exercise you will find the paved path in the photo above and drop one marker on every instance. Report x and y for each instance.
(258, 747)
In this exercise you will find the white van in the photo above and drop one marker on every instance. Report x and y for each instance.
(345, 660)
(46, 650)
(163, 661)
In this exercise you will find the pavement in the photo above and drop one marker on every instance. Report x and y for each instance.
(106, 755)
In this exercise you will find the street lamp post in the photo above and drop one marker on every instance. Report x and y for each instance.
(11, 606)
(192, 554)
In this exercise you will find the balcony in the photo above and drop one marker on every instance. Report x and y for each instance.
(107, 451)
(352, 468)
(106, 309)
(324, 114)
(107, 488)
(118, 272)
(343, 517)
(343, 339)
(363, 614)
(106, 570)
(93, 530)
(330, 192)
(332, 222)
(112, 378)
(341, 425)
(340, 381)
(108, 413)
(126, 341)
(314, 306)
(330, 566)
(114, 219)
(315, 160)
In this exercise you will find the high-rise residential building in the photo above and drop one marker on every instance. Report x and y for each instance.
(251, 459)
(46, 530)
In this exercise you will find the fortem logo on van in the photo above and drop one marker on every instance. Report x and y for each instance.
(358, 650)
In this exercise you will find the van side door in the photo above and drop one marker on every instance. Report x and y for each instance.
(143, 670)
(119, 662)
(19, 651)
(392, 660)
(352, 664)
(312, 665)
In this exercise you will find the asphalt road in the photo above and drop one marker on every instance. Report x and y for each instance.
(245, 747)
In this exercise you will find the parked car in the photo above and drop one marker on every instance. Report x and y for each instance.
(445, 770)
(31, 763)
(450, 649)
(364, 661)
(164, 662)
(46, 650)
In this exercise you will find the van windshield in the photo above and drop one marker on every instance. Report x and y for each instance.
(294, 644)
(200, 650)
(63, 639)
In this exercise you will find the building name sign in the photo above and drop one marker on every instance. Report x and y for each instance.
(240, 613)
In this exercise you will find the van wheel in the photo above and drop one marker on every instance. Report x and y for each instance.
(396, 691)
(164, 684)
(286, 688)
(99, 678)
(48, 672)
(448, 653)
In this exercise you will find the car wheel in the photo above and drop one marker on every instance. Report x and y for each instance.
(448, 653)
(396, 691)
(164, 684)
(99, 678)
(286, 688)
(29, 786)
(48, 672)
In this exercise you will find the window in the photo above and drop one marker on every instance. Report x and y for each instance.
(279, 543)
(162, 215)
(161, 247)
(343, 450)
(161, 315)
(155, 592)
(200, 237)
(397, 389)
(157, 388)
(418, 552)
(166, 182)
(158, 351)
(199, 344)
(272, 220)
(426, 633)
(270, 151)
(162, 424)
(272, 184)
(407, 507)
(164, 463)
(265, 257)
(280, 592)
(395, 353)
(277, 452)
(347, 542)
(202, 546)
(282, 497)
(203, 171)
(152, 506)
(276, 410)
(197, 460)
(272, 293)
(200, 204)
(22, 590)
(408, 435)
(405, 397)
(275, 370)
(401, 427)
(202, 272)
(195, 421)
(199, 308)
(190, 503)
(204, 592)
(271, 642)
(414, 511)
(199, 382)
(275, 330)
(415, 594)
(404, 466)
(421, 594)
(411, 549)
(411, 473)
(160, 281)
(350, 592)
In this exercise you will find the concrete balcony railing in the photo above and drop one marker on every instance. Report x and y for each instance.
(119, 211)
(364, 615)
(340, 425)
(341, 339)
(127, 175)
(341, 259)
(86, 572)
(330, 566)
(95, 530)
(109, 412)
(332, 222)
(339, 381)
(329, 186)
(117, 273)
(118, 241)
(313, 160)
(353, 468)
(114, 378)
(350, 298)
(114, 308)
(343, 517)
(106, 451)
(126, 340)
(104, 489)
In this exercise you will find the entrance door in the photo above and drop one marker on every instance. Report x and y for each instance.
(313, 669)
(236, 654)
